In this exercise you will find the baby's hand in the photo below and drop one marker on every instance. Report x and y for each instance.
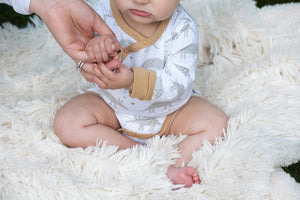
(113, 64)
(103, 48)
(121, 77)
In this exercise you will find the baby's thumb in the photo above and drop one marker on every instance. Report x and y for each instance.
(113, 64)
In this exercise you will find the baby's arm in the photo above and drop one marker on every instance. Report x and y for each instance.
(174, 80)
(103, 48)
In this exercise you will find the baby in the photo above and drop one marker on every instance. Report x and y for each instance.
(145, 90)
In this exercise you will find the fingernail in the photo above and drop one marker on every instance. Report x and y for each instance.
(114, 46)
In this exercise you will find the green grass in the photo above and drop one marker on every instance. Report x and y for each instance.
(8, 15)
(294, 171)
(261, 3)
(21, 21)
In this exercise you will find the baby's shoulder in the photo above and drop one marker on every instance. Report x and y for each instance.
(180, 19)
(102, 6)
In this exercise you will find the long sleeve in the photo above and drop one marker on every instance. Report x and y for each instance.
(20, 6)
(175, 80)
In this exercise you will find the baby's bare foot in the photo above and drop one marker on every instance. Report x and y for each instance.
(183, 175)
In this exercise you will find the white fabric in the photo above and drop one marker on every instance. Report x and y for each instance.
(20, 6)
(136, 123)
(173, 57)
(252, 73)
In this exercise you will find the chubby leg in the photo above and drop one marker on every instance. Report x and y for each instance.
(86, 119)
(199, 120)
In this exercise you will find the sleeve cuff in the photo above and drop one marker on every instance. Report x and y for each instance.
(143, 83)
(21, 6)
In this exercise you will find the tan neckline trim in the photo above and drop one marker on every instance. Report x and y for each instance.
(133, 33)
(142, 41)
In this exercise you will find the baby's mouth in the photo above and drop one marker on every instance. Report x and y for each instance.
(140, 13)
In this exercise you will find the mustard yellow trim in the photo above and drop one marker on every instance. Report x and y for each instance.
(143, 83)
(133, 33)
(92, 93)
(162, 132)
(142, 41)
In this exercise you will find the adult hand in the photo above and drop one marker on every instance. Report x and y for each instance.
(72, 23)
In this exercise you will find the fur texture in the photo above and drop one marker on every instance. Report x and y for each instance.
(249, 66)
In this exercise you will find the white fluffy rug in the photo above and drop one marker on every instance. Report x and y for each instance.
(249, 66)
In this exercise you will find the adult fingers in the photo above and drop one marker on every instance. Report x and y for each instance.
(86, 67)
(104, 54)
(99, 53)
(91, 55)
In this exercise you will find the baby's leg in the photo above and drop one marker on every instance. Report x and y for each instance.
(200, 121)
(87, 119)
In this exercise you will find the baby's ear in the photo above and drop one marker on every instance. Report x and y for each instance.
(113, 64)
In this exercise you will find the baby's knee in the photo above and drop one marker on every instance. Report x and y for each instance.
(222, 121)
(62, 127)
(219, 124)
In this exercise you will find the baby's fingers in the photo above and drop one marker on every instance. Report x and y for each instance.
(113, 64)
(112, 47)
(91, 55)
(97, 71)
(109, 74)
(92, 77)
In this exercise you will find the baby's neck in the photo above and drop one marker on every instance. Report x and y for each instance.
(146, 30)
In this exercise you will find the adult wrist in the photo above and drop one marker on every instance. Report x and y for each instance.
(40, 7)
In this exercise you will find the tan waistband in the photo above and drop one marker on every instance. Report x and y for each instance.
(163, 130)
(92, 93)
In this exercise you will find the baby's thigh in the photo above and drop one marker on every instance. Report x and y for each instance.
(85, 110)
(198, 116)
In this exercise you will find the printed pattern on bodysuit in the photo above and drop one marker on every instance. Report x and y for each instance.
(173, 57)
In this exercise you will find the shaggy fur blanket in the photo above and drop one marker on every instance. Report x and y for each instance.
(249, 66)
